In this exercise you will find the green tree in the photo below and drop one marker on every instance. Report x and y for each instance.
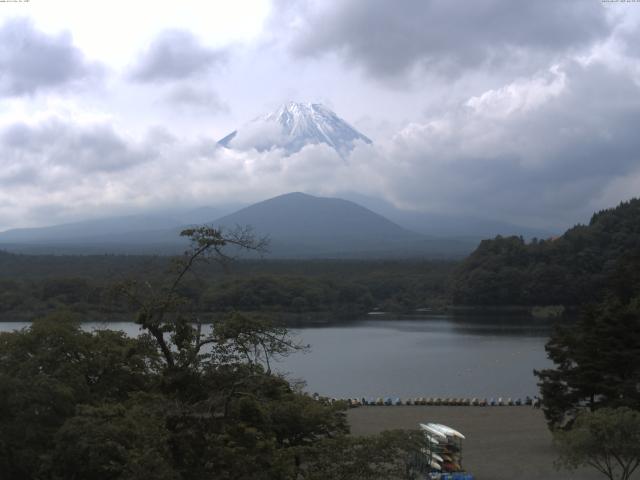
(166, 314)
(126, 440)
(607, 440)
(597, 362)
(46, 371)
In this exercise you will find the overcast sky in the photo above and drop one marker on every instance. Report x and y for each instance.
(527, 112)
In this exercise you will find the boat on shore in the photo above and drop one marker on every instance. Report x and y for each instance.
(442, 453)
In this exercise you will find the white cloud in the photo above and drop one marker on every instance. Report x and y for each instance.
(521, 95)
(258, 135)
(114, 31)
(175, 55)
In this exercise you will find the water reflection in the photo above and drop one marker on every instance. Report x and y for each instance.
(464, 324)
(433, 355)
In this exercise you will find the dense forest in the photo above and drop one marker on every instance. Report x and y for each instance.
(569, 270)
(37, 285)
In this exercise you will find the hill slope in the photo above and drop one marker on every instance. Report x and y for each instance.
(86, 229)
(111, 234)
(304, 225)
(572, 269)
(299, 226)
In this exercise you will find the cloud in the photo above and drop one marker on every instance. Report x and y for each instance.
(258, 135)
(520, 95)
(175, 55)
(57, 171)
(192, 97)
(388, 38)
(31, 61)
(545, 162)
(64, 152)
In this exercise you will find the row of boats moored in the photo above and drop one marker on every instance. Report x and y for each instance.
(472, 402)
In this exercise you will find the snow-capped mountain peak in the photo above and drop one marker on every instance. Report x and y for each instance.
(294, 125)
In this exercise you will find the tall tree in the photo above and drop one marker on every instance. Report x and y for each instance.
(165, 313)
(597, 362)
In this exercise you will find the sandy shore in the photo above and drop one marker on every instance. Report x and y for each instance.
(503, 443)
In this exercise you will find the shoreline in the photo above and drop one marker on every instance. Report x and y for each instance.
(501, 443)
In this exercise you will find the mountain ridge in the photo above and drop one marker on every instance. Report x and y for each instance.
(299, 225)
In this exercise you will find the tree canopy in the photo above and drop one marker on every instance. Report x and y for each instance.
(572, 269)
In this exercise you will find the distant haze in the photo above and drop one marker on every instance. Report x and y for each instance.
(296, 225)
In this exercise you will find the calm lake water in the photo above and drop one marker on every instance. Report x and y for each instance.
(431, 356)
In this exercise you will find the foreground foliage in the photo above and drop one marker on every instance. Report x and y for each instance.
(607, 440)
(181, 401)
(99, 405)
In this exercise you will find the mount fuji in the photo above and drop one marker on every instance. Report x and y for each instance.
(293, 126)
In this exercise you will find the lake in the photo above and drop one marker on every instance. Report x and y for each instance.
(430, 356)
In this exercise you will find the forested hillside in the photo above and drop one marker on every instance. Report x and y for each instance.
(570, 270)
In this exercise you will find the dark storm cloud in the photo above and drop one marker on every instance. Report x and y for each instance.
(175, 55)
(388, 38)
(56, 146)
(31, 60)
(552, 162)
